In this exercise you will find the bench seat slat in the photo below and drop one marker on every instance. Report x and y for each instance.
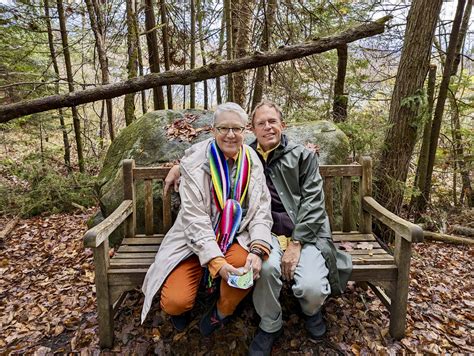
(353, 237)
(121, 263)
(374, 273)
(139, 248)
(142, 241)
(127, 276)
(136, 254)
(375, 259)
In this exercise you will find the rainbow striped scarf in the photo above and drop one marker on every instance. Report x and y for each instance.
(228, 199)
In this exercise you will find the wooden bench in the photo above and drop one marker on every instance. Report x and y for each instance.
(386, 274)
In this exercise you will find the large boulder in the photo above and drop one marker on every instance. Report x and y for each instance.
(148, 142)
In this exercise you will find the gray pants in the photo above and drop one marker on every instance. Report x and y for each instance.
(311, 286)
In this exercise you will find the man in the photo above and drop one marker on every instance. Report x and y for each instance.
(301, 223)
(222, 180)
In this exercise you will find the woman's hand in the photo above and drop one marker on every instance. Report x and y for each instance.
(228, 268)
(254, 262)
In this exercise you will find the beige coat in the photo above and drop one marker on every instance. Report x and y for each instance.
(192, 232)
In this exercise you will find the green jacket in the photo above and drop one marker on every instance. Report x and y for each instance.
(294, 171)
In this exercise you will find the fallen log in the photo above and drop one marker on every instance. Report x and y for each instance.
(463, 230)
(8, 228)
(447, 238)
(183, 77)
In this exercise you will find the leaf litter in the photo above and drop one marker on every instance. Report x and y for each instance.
(48, 305)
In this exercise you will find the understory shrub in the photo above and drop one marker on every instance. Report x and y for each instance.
(30, 188)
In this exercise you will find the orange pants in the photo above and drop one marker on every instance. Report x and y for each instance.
(179, 290)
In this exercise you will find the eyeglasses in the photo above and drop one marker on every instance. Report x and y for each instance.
(225, 130)
(262, 124)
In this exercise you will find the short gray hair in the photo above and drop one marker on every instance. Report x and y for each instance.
(269, 104)
(230, 107)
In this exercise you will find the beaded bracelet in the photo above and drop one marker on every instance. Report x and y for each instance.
(258, 252)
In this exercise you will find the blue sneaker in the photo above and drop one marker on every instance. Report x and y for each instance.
(211, 322)
(180, 321)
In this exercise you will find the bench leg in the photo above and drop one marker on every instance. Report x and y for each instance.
(104, 305)
(398, 308)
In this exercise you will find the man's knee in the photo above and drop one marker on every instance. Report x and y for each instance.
(313, 291)
(270, 269)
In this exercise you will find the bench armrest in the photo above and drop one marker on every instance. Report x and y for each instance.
(95, 236)
(406, 229)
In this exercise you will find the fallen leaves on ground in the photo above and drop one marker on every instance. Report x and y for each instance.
(47, 305)
(183, 129)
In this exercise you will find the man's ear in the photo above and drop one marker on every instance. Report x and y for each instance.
(283, 124)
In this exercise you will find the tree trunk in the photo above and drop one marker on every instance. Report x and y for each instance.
(192, 94)
(141, 71)
(153, 54)
(166, 49)
(400, 139)
(443, 91)
(242, 28)
(466, 190)
(70, 80)
(129, 102)
(420, 177)
(269, 11)
(67, 150)
(212, 70)
(229, 47)
(339, 108)
(99, 34)
(200, 6)
(221, 47)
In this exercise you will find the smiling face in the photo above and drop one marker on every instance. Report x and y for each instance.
(267, 127)
(230, 142)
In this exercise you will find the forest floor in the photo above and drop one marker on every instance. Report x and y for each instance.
(47, 305)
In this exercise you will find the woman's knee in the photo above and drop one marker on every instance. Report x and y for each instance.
(176, 303)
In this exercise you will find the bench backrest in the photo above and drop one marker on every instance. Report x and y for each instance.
(341, 183)
(344, 186)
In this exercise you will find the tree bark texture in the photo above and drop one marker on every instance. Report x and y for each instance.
(221, 47)
(420, 178)
(166, 49)
(339, 108)
(443, 91)
(141, 73)
(229, 47)
(466, 190)
(200, 6)
(241, 23)
(212, 70)
(67, 149)
(99, 35)
(392, 170)
(70, 79)
(269, 9)
(129, 101)
(153, 54)
(192, 62)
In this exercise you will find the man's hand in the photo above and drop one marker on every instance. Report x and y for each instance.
(226, 269)
(172, 179)
(256, 263)
(290, 260)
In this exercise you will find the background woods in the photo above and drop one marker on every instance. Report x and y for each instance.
(400, 88)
